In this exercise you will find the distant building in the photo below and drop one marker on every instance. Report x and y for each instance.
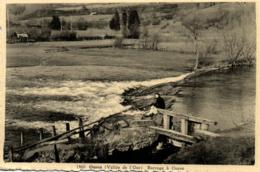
(22, 37)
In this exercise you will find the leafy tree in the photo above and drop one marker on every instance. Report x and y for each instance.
(114, 23)
(124, 24)
(133, 24)
(124, 17)
(55, 24)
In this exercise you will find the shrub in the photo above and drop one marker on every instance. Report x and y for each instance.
(39, 34)
(205, 52)
(146, 22)
(118, 43)
(81, 24)
(235, 151)
(97, 24)
(156, 21)
(45, 35)
(167, 16)
(238, 48)
(64, 36)
(55, 24)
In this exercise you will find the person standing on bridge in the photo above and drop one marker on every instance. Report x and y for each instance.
(159, 103)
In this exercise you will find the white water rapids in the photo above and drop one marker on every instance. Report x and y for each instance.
(93, 100)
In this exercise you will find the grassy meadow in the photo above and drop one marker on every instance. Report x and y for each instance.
(92, 64)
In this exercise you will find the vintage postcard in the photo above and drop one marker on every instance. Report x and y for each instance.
(129, 85)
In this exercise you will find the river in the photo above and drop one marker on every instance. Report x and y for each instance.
(226, 97)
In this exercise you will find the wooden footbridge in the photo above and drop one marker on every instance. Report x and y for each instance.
(190, 127)
(180, 129)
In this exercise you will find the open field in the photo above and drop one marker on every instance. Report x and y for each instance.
(117, 64)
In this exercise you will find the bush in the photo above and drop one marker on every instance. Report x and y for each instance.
(82, 24)
(39, 34)
(167, 16)
(206, 52)
(97, 24)
(237, 49)
(146, 22)
(156, 21)
(234, 151)
(64, 36)
(118, 43)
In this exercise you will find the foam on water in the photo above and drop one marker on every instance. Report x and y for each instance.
(93, 99)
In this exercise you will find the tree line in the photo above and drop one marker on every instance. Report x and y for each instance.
(129, 23)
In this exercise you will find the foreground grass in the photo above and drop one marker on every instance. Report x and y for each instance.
(223, 150)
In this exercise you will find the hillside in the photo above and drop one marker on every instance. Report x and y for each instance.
(161, 19)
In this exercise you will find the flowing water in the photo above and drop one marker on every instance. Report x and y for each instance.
(228, 98)
(87, 99)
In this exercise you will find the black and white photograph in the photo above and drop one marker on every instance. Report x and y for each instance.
(130, 83)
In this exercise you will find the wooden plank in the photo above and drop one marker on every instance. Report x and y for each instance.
(166, 121)
(55, 142)
(67, 130)
(56, 153)
(176, 143)
(54, 131)
(174, 135)
(206, 133)
(188, 117)
(143, 123)
(22, 139)
(204, 126)
(40, 133)
(184, 126)
(10, 153)
(66, 134)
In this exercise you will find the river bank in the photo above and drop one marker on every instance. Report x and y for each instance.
(58, 91)
(124, 145)
(233, 110)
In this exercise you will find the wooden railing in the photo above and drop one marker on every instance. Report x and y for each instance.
(200, 126)
(65, 137)
(186, 120)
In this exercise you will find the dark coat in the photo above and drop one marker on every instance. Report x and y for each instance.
(160, 103)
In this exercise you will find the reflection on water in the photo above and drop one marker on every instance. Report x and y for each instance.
(228, 98)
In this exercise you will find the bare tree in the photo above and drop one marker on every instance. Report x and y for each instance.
(155, 41)
(237, 48)
(193, 29)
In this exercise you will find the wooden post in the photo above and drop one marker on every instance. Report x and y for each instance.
(22, 139)
(204, 126)
(56, 153)
(68, 129)
(11, 153)
(54, 131)
(166, 121)
(184, 126)
(81, 129)
(41, 133)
